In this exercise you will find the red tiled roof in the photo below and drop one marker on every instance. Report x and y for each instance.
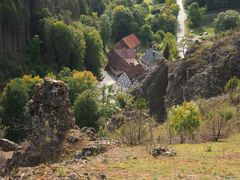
(135, 71)
(131, 41)
(126, 54)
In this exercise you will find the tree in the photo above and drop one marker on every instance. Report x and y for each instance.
(86, 109)
(184, 119)
(94, 56)
(146, 34)
(196, 14)
(34, 49)
(105, 29)
(139, 14)
(171, 41)
(122, 22)
(15, 114)
(217, 119)
(64, 45)
(227, 20)
(79, 82)
(174, 9)
(166, 51)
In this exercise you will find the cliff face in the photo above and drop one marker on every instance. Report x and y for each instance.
(202, 73)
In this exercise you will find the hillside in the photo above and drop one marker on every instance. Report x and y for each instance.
(204, 72)
(192, 162)
(119, 89)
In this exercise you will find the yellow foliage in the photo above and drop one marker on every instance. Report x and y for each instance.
(84, 76)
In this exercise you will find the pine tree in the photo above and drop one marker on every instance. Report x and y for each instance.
(166, 51)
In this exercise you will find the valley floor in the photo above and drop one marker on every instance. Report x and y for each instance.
(192, 162)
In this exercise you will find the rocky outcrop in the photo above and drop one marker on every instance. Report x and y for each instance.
(52, 118)
(154, 89)
(202, 73)
(6, 145)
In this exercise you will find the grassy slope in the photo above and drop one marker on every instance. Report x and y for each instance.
(192, 162)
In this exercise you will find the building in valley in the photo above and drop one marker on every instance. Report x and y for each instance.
(123, 64)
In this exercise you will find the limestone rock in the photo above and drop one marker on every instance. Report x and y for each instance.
(203, 73)
(163, 151)
(6, 145)
(52, 118)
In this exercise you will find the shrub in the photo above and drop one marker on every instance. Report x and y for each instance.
(184, 119)
(124, 99)
(196, 14)
(217, 120)
(14, 112)
(227, 20)
(86, 109)
(136, 128)
(232, 84)
(78, 82)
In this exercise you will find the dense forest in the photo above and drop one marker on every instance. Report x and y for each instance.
(40, 36)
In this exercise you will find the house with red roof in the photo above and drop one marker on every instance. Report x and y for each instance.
(122, 60)
(129, 42)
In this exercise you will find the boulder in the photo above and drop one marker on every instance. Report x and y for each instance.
(6, 145)
(5, 159)
(163, 151)
(90, 132)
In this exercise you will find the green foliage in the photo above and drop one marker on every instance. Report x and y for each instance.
(122, 22)
(124, 99)
(139, 14)
(77, 82)
(227, 20)
(65, 45)
(174, 9)
(217, 120)
(15, 115)
(146, 34)
(166, 23)
(105, 28)
(136, 128)
(196, 14)
(166, 51)
(108, 104)
(94, 52)
(232, 84)
(86, 110)
(216, 4)
(184, 119)
(170, 41)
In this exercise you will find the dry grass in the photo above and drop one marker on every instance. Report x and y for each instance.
(192, 162)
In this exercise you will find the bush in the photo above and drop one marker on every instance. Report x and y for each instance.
(184, 119)
(86, 110)
(217, 120)
(227, 20)
(232, 84)
(136, 128)
(196, 14)
(14, 112)
(77, 81)
(170, 41)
